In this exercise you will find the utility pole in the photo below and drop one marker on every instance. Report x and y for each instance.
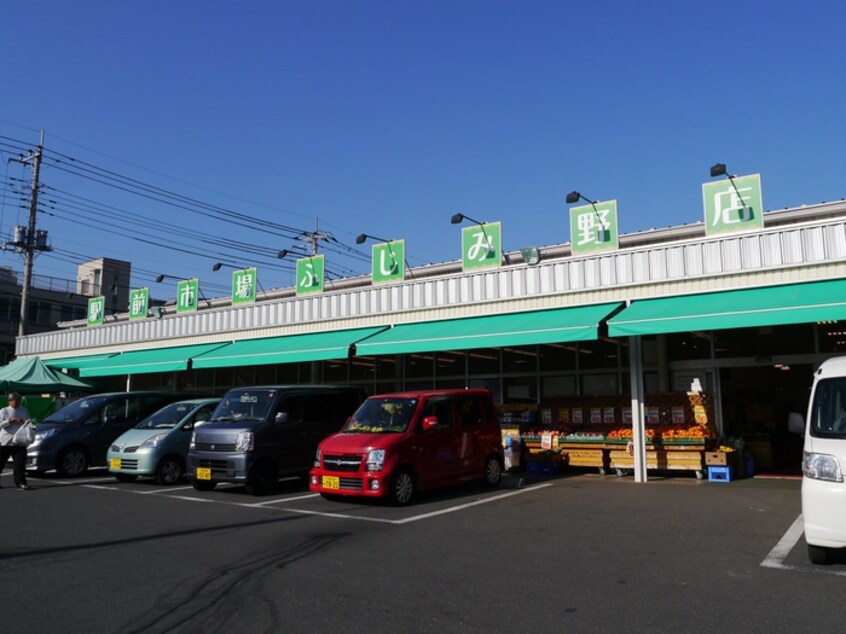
(33, 241)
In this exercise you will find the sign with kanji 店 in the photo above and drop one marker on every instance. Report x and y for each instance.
(594, 227)
(388, 262)
(187, 295)
(733, 204)
(244, 286)
(481, 246)
(139, 302)
(96, 310)
(310, 275)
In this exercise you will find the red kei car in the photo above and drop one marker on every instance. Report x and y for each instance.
(397, 444)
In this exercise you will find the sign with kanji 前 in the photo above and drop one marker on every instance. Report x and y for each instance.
(310, 275)
(733, 204)
(139, 301)
(388, 262)
(594, 227)
(187, 295)
(244, 286)
(481, 246)
(96, 310)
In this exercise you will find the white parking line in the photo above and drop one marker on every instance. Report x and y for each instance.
(84, 481)
(775, 559)
(299, 497)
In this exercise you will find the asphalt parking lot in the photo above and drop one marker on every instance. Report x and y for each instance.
(578, 553)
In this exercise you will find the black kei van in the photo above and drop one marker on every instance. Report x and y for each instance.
(258, 434)
(78, 435)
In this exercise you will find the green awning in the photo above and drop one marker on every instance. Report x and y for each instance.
(770, 306)
(513, 329)
(77, 363)
(145, 361)
(318, 346)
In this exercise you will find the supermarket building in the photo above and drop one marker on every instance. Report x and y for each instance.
(671, 327)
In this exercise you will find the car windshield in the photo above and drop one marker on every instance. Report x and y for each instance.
(382, 416)
(167, 417)
(828, 414)
(78, 410)
(246, 404)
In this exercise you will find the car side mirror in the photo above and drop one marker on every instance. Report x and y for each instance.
(796, 423)
(281, 418)
(430, 422)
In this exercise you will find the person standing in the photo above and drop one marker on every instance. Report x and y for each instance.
(12, 418)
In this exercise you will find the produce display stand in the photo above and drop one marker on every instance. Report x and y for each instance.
(667, 456)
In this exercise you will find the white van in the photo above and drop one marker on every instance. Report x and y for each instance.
(824, 462)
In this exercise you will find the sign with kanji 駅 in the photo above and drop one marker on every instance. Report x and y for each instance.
(187, 295)
(96, 310)
(481, 246)
(388, 262)
(244, 286)
(733, 204)
(139, 302)
(310, 275)
(594, 227)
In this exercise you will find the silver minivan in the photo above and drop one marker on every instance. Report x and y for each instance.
(824, 462)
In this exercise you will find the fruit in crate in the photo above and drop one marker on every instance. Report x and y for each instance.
(585, 435)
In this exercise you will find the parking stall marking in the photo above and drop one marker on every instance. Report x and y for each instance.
(775, 558)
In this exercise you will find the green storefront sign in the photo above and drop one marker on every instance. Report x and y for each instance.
(96, 310)
(481, 246)
(594, 227)
(139, 302)
(187, 295)
(388, 262)
(310, 275)
(244, 286)
(734, 204)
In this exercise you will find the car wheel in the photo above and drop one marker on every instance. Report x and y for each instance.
(493, 471)
(125, 477)
(262, 479)
(819, 555)
(203, 485)
(402, 487)
(72, 462)
(169, 471)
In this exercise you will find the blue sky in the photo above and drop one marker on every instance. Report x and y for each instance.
(388, 117)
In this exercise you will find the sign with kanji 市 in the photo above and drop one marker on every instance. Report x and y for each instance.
(310, 275)
(139, 301)
(594, 227)
(388, 262)
(96, 310)
(187, 295)
(244, 286)
(733, 204)
(481, 246)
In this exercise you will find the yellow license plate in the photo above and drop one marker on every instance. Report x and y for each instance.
(331, 482)
(203, 473)
(114, 463)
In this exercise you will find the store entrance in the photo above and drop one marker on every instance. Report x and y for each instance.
(756, 403)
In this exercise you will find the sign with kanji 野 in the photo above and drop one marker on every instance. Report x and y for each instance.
(481, 246)
(187, 295)
(244, 286)
(96, 310)
(310, 274)
(733, 204)
(139, 301)
(594, 227)
(388, 262)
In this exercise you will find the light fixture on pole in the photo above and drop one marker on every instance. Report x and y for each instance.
(719, 169)
(362, 238)
(459, 217)
(531, 255)
(574, 197)
(161, 277)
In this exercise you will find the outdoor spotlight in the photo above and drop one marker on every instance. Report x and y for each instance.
(361, 238)
(718, 169)
(457, 218)
(217, 266)
(160, 278)
(573, 197)
(282, 253)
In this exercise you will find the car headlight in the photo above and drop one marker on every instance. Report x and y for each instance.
(317, 457)
(193, 442)
(152, 443)
(820, 466)
(375, 459)
(244, 441)
(41, 436)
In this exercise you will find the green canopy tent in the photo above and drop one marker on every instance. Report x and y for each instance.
(31, 376)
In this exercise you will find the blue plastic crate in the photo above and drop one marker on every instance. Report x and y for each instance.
(537, 467)
(719, 474)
